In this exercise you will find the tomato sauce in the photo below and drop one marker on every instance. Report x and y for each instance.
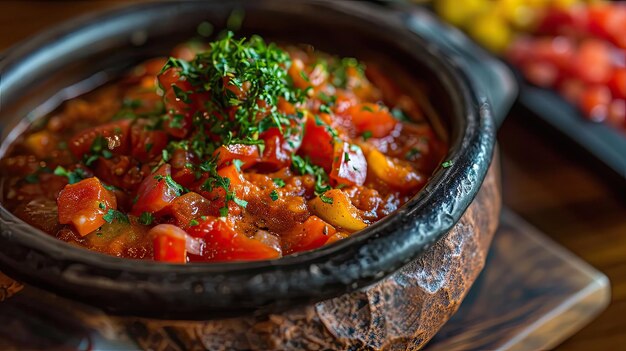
(231, 150)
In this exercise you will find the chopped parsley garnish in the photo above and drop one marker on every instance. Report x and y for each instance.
(146, 218)
(325, 109)
(115, 215)
(238, 163)
(73, 177)
(304, 166)
(366, 134)
(274, 195)
(171, 183)
(279, 182)
(447, 164)
(194, 222)
(367, 108)
(228, 66)
(326, 199)
(400, 115)
(32, 178)
(411, 154)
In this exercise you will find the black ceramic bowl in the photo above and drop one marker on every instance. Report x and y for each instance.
(75, 57)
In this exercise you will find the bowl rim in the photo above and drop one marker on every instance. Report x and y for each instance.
(307, 276)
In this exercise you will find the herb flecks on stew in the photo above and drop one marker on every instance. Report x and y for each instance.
(234, 150)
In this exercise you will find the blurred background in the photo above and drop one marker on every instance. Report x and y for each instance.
(563, 145)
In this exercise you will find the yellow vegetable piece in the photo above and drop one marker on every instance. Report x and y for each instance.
(41, 143)
(335, 208)
(460, 13)
(395, 174)
(491, 31)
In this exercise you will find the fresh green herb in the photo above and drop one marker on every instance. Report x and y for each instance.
(62, 145)
(367, 108)
(366, 134)
(263, 67)
(447, 164)
(148, 147)
(146, 218)
(325, 109)
(32, 178)
(171, 183)
(304, 166)
(339, 70)
(102, 206)
(274, 195)
(400, 115)
(411, 154)
(194, 222)
(238, 163)
(165, 155)
(328, 100)
(279, 182)
(181, 94)
(115, 215)
(326, 199)
(241, 202)
(346, 157)
(304, 76)
(73, 177)
(132, 103)
(224, 211)
(110, 187)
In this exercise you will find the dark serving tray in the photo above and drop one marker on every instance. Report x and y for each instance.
(602, 141)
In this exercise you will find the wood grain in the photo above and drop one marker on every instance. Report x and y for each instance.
(531, 296)
(560, 189)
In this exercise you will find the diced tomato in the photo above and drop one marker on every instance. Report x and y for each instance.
(115, 134)
(311, 234)
(146, 143)
(223, 243)
(248, 154)
(277, 153)
(188, 207)
(179, 108)
(593, 61)
(169, 242)
(84, 204)
(618, 83)
(349, 164)
(373, 118)
(154, 193)
(317, 143)
(217, 196)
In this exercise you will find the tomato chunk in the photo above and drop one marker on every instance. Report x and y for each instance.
(248, 154)
(317, 143)
(84, 204)
(349, 164)
(169, 242)
(223, 243)
(155, 192)
(373, 118)
(311, 234)
(189, 207)
(146, 143)
(115, 136)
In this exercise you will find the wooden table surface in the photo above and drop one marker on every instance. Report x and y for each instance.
(550, 182)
